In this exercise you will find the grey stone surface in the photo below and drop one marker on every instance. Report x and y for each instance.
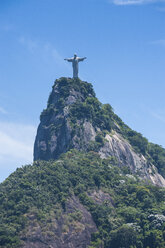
(62, 231)
(119, 148)
(75, 61)
(56, 135)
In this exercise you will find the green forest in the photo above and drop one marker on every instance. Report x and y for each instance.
(132, 212)
(134, 218)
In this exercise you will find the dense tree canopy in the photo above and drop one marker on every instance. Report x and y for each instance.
(131, 217)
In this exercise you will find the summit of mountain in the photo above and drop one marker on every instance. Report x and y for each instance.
(75, 119)
(94, 182)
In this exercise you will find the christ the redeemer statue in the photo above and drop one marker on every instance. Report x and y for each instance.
(75, 60)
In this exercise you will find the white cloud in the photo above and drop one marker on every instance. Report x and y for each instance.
(7, 27)
(44, 51)
(127, 2)
(16, 146)
(159, 42)
(29, 43)
(2, 110)
(159, 115)
(134, 2)
(161, 9)
(51, 51)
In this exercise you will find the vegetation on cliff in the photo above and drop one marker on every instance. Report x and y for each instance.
(132, 214)
(50, 203)
(88, 108)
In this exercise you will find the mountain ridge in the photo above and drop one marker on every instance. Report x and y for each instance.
(80, 200)
(94, 182)
(75, 119)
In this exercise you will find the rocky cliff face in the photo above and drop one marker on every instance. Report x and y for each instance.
(70, 228)
(119, 148)
(92, 186)
(57, 132)
(74, 118)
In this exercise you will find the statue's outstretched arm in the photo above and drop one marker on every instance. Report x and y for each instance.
(69, 60)
(81, 59)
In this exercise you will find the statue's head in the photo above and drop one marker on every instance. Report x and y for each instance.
(75, 55)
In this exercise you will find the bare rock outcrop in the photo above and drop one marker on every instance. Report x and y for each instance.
(56, 134)
(70, 228)
(119, 148)
(74, 119)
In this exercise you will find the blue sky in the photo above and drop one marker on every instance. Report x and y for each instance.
(124, 41)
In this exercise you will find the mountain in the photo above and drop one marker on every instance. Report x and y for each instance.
(94, 182)
(75, 119)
